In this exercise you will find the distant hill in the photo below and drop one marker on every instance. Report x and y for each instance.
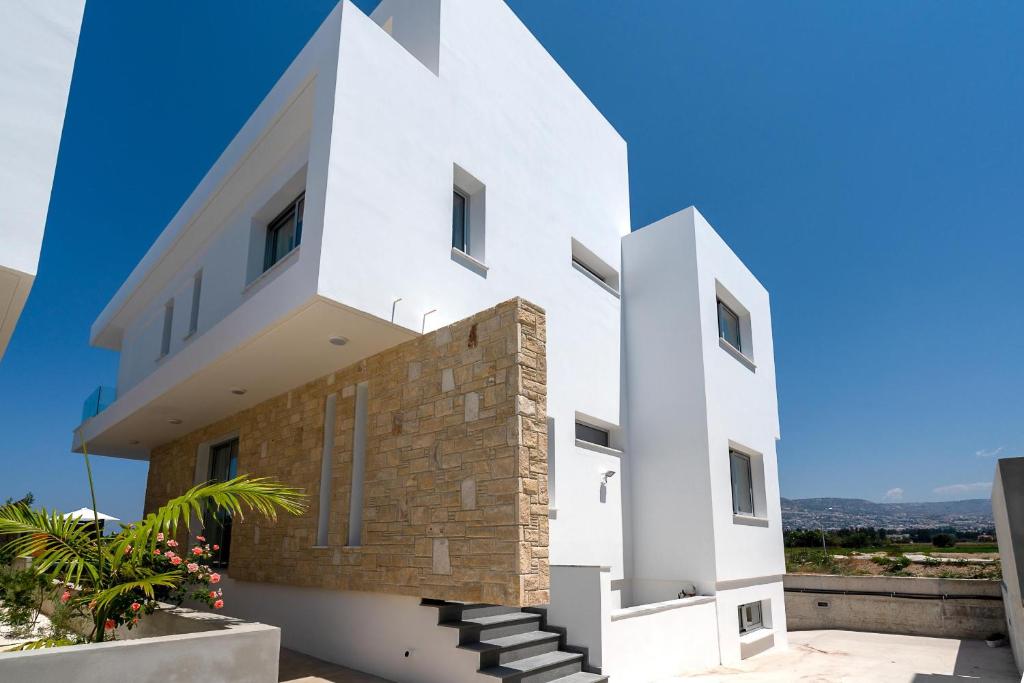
(810, 513)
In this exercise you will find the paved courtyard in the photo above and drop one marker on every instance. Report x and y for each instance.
(296, 667)
(852, 657)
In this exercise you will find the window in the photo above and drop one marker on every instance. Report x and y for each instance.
(588, 263)
(750, 617)
(729, 326)
(742, 484)
(284, 233)
(460, 221)
(197, 288)
(217, 522)
(595, 435)
(165, 340)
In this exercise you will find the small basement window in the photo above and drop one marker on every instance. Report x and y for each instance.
(284, 233)
(591, 434)
(750, 617)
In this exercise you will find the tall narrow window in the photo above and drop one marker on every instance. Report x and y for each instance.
(460, 222)
(355, 509)
(197, 290)
(165, 340)
(742, 484)
(324, 521)
(729, 326)
(750, 617)
(217, 522)
(284, 232)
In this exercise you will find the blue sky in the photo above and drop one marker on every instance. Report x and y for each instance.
(866, 160)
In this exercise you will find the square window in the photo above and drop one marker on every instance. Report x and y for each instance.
(729, 326)
(750, 617)
(742, 484)
(594, 435)
(284, 233)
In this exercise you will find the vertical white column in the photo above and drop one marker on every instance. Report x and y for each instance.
(355, 510)
(324, 520)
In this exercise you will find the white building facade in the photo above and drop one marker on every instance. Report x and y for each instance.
(408, 170)
(38, 44)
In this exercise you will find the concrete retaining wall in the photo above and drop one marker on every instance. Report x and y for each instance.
(946, 608)
(200, 647)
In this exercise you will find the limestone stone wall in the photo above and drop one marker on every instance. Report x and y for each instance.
(455, 501)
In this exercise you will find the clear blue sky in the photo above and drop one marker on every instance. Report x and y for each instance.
(866, 160)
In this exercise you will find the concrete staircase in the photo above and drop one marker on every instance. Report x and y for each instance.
(514, 646)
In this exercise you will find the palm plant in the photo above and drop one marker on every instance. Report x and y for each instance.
(117, 579)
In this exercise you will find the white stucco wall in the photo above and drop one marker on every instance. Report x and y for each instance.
(38, 44)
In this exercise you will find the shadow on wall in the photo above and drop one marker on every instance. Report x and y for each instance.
(976, 661)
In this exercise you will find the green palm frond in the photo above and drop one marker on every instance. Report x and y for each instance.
(146, 584)
(63, 545)
(40, 644)
(237, 496)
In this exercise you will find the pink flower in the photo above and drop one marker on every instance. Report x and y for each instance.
(136, 607)
(215, 578)
(192, 567)
(213, 594)
(135, 620)
(175, 560)
(216, 547)
(201, 539)
(218, 604)
(109, 624)
(65, 596)
(160, 536)
(172, 543)
(197, 551)
(157, 551)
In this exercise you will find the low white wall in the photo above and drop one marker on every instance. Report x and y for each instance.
(735, 647)
(578, 603)
(371, 632)
(243, 653)
(655, 641)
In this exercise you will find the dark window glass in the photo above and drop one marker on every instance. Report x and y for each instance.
(729, 326)
(585, 432)
(217, 523)
(742, 484)
(284, 233)
(460, 205)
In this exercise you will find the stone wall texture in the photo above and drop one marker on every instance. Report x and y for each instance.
(455, 501)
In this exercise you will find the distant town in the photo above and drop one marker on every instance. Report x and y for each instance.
(963, 516)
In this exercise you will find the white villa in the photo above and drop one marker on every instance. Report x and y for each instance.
(38, 44)
(537, 446)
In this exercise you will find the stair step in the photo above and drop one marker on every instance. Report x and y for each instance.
(494, 626)
(581, 677)
(541, 668)
(496, 651)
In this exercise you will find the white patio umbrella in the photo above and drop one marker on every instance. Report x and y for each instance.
(86, 515)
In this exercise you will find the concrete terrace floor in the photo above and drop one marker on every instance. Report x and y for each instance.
(296, 667)
(853, 657)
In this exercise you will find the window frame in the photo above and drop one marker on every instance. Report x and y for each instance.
(463, 245)
(165, 333)
(748, 463)
(296, 210)
(197, 293)
(738, 344)
(750, 626)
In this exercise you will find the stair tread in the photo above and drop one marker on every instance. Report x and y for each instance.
(496, 619)
(581, 677)
(531, 664)
(517, 640)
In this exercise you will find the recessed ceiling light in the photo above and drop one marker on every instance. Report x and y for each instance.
(338, 341)
(174, 420)
(238, 391)
(133, 442)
